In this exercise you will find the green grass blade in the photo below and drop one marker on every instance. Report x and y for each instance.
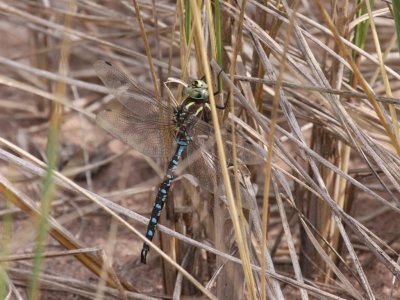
(43, 226)
(218, 38)
(361, 30)
(396, 16)
(188, 21)
(5, 251)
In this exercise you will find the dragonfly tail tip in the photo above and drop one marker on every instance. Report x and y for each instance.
(143, 255)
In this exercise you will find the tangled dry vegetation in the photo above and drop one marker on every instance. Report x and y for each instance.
(313, 83)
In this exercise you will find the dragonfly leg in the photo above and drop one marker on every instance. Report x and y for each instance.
(219, 88)
(219, 85)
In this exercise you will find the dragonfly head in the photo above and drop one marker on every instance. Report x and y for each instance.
(198, 89)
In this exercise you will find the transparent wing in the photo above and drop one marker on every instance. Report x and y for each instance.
(202, 165)
(247, 190)
(146, 124)
(202, 157)
(141, 120)
(206, 168)
(151, 138)
(136, 98)
(246, 150)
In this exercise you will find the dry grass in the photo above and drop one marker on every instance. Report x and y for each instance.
(310, 83)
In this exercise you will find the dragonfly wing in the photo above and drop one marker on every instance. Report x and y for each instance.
(206, 169)
(128, 92)
(152, 139)
(247, 190)
(202, 166)
(247, 151)
(202, 156)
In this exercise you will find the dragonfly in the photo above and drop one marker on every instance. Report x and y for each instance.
(168, 130)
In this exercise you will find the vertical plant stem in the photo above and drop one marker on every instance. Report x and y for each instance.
(396, 16)
(52, 149)
(188, 21)
(218, 38)
(5, 243)
(361, 30)
(147, 47)
(384, 75)
(270, 143)
(357, 73)
(238, 232)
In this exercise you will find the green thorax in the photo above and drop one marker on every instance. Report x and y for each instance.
(196, 98)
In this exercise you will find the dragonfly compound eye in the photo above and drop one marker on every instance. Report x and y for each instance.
(200, 84)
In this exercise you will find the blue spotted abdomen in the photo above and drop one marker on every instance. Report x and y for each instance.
(162, 196)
